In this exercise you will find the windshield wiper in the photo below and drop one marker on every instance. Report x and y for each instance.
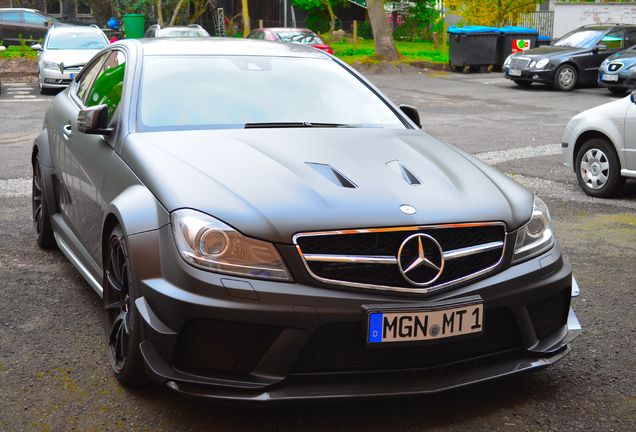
(297, 125)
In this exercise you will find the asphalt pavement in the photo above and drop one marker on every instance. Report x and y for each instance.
(53, 369)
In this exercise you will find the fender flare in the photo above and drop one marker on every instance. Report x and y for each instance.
(137, 210)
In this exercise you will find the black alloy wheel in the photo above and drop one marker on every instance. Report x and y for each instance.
(41, 217)
(120, 317)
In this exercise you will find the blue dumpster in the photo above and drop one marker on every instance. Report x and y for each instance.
(473, 46)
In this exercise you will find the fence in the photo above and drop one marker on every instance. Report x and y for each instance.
(543, 21)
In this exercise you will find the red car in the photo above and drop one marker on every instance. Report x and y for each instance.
(291, 35)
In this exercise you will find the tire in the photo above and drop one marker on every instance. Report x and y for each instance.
(598, 168)
(121, 319)
(565, 78)
(523, 84)
(618, 91)
(40, 209)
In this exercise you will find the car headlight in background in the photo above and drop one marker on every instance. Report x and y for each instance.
(50, 65)
(542, 63)
(507, 61)
(209, 244)
(536, 236)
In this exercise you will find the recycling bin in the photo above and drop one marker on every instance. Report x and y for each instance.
(513, 40)
(473, 46)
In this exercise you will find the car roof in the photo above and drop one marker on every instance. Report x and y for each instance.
(287, 29)
(74, 29)
(223, 47)
(20, 10)
(608, 26)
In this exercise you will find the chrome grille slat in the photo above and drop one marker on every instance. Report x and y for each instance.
(519, 62)
(350, 257)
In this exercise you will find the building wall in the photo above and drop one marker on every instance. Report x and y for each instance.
(569, 16)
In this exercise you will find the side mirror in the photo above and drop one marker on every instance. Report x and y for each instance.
(94, 121)
(411, 112)
(601, 47)
(36, 47)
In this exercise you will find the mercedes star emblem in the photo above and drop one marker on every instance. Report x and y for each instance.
(420, 259)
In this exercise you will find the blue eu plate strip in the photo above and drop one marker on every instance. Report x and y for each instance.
(375, 327)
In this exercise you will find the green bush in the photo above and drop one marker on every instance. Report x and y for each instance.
(364, 30)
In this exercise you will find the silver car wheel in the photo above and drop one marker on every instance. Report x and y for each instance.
(595, 168)
(566, 78)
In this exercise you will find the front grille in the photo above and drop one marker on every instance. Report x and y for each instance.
(369, 258)
(341, 347)
(519, 62)
(222, 346)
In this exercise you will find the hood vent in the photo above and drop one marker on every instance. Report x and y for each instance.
(404, 172)
(332, 174)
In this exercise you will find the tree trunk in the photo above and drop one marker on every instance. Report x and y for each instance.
(332, 18)
(175, 14)
(246, 18)
(159, 13)
(384, 44)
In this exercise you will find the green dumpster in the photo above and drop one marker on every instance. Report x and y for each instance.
(133, 25)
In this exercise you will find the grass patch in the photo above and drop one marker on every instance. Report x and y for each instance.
(19, 51)
(364, 52)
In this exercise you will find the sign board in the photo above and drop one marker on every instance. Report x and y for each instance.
(520, 45)
(361, 3)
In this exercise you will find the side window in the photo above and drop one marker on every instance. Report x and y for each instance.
(614, 40)
(11, 17)
(109, 84)
(34, 19)
(87, 78)
(630, 39)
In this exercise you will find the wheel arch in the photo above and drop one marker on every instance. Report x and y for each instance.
(585, 137)
(42, 149)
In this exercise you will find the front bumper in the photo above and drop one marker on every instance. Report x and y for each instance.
(544, 76)
(624, 80)
(245, 340)
(56, 79)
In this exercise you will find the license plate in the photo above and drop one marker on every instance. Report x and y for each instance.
(72, 76)
(392, 326)
(606, 77)
(514, 72)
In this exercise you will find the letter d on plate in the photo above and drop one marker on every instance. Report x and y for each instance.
(375, 328)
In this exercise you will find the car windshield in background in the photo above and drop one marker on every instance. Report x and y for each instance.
(214, 92)
(181, 33)
(76, 41)
(302, 37)
(581, 39)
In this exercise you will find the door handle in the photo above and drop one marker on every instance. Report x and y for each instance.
(66, 130)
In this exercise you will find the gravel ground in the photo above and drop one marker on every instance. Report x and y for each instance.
(53, 367)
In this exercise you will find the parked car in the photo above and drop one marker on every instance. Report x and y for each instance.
(193, 30)
(618, 72)
(599, 145)
(291, 35)
(572, 60)
(64, 52)
(270, 228)
(28, 24)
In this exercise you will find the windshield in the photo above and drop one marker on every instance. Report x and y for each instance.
(581, 38)
(77, 41)
(182, 33)
(213, 92)
(300, 37)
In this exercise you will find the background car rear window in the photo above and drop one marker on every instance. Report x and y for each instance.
(207, 92)
(12, 17)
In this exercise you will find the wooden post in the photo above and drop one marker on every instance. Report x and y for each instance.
(355, 32)
(260, 24)
(444, 36)
(436, 41)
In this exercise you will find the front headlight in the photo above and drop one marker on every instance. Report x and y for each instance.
(536, 236)
(542, 63)
(50, 65)
(508, 60)
(209, 244)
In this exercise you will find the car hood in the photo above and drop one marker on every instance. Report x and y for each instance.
(273, 183)
(551, 51)
(69, 57)
(627, 57)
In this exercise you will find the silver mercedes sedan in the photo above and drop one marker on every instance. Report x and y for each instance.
(265, 226)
